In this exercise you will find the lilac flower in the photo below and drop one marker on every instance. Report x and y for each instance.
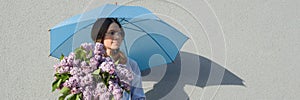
(62, 69)
(64, 61)
(74, 90)
(72, 82)
(129, 76)
(98, 57)
(94, 63)
(124, 74)
(87, 46)
(105, 96)
(75, 81)
(72, 55)
(102, 87)
(108, 67)
(125, 85)
(82, 84)
(117, 93)
(82, 81)
(115, 90)
(99, 50)
(86, 69)
(76, 63)
(110, 86)
(75, 70)
(118, 96)
(83, 63)
(87, 95)
(108, 59)
(67, 84)
(87, 80)
(70, 59)
(66, 68)
(99, 46)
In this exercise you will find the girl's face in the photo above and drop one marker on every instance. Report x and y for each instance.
(113, 38)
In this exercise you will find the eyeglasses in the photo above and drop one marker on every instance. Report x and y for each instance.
(112, 33)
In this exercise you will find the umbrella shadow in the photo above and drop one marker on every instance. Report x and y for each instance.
(171, 82)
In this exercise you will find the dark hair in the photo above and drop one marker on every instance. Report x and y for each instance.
(100, 27)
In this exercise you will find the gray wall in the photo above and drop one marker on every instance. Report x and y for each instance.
(238, 49)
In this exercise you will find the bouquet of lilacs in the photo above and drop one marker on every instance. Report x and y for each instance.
(88, 74)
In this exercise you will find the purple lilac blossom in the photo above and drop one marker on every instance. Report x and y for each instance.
(82, 81)
(87, 46)
(107, 67)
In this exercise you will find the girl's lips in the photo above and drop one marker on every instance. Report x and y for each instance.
(115, 43)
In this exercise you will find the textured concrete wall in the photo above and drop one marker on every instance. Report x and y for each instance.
(238, 49)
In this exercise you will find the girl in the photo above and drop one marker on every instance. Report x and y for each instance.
(110, 33)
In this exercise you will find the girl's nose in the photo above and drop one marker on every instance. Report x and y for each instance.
(117, 35)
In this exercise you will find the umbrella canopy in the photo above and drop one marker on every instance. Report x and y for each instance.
(145, 34)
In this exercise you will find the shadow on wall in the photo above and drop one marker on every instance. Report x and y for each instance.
(170, 83)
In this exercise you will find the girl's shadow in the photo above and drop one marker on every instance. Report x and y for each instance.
(187, 69)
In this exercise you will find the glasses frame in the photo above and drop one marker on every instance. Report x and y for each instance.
(113, 33)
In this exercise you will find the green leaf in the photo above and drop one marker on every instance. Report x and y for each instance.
(104, 79)
(80, 54)
(111, 97)
(59, 82)
(108, 79)
(96, 72)
(65, 76)
(77, 53)
(65, 90)
(87, 61)
(79, 96)
(90, 53)
(117, 62)
(62, 97)
(56, 74)
(54, 85)
(128, 91)
(79, 48)
(72, 97)
(61, 57)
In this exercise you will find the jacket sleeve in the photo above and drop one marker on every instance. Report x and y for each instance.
(137, 92)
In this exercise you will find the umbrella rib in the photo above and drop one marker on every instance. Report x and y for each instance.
(133, 29)
(135, 21)
(151, 38)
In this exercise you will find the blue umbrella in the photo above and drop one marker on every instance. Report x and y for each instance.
(148, 40)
